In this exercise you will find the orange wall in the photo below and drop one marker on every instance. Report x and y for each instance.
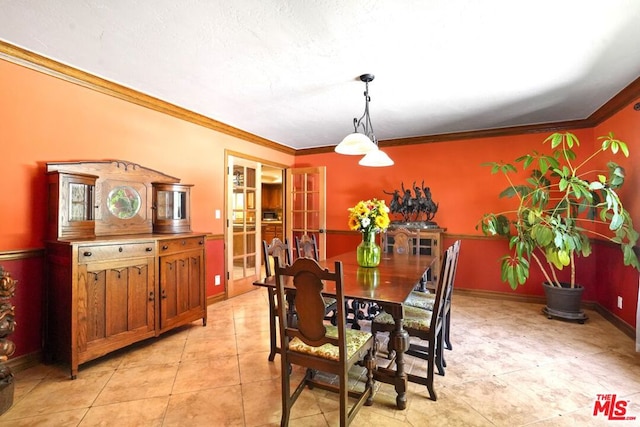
(48, 119)
(462, 187)
(465, 190)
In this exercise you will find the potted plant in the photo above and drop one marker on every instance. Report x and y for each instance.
(561, 205)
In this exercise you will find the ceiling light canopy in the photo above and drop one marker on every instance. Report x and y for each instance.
(365, 142)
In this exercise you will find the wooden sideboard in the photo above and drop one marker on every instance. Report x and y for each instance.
(107, 289)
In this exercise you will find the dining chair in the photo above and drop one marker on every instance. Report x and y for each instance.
(402, 241)
(424, 300)
(316, 345)
(425, 325)
(356, 310)
(307, 246)
(281, 251)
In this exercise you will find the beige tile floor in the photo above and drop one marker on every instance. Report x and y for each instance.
(510, 366)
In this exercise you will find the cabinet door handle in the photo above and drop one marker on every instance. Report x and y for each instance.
(165, 247)
(148, 249)
(164, 295)
(87, 253)
(184, 242)
(200, 242)
(151, 296)
(120, 249)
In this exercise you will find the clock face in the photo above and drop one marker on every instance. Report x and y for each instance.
(124, 202)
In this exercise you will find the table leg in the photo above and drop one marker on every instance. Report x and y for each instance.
(399, 340)
(398, 343)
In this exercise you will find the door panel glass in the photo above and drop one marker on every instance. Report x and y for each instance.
(250, 178)
(243, 214)
(313, 220)
(312, 183)
(238, 244)
(305, 195)
(312, 201)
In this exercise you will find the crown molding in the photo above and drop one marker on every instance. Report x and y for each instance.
(615, 104)
(73, 75)
(70, 74)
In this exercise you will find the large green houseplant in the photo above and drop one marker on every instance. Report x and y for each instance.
(559, 206)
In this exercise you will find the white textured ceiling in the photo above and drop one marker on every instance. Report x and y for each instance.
(288, 70)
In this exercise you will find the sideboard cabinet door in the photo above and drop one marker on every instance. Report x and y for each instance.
(182, 282)
(100, 298)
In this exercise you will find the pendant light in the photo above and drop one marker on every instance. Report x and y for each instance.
(364, 142)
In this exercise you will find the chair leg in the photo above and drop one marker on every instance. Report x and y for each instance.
(286, 398)
(439, 360)
(344, 399)
(447, 326)
(272, 327)
(430, 369)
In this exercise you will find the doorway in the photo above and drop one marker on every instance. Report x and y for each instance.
(306, 213)
(255, 206)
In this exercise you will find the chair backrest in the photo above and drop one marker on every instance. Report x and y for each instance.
(399, 240)
(454, 269)
(308, 279)
(445, 285)
(307, 247)
(276, 250)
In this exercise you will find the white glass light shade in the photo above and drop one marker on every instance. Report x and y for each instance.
(376, 158)
(355, 144)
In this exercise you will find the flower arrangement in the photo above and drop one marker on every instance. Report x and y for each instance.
(369, 216)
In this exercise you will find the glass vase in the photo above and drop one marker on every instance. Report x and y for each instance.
(368, 253)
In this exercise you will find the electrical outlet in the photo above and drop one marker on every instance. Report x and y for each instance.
(619, 302)
(216, 280)
(217, 213)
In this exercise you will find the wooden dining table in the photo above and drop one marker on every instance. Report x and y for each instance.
(389, 284)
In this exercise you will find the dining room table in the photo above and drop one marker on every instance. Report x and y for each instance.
(388, 285)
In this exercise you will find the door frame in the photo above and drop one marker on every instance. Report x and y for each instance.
(228, 220)
(321, 231)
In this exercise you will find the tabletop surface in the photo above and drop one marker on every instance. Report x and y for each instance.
(390, 282)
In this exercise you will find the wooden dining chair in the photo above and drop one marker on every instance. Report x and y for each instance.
(356, 310)
(307, 246)
(424, 300)
(425, 325)
(402, 241)
(316, 345)
(276, 251)
(281, 251)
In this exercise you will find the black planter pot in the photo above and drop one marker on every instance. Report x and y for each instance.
(564, 302)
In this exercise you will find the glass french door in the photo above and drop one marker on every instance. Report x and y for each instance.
(243, 206)
(306, 206)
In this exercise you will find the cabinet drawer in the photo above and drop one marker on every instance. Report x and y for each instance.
(109, 252)
(177, 245)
